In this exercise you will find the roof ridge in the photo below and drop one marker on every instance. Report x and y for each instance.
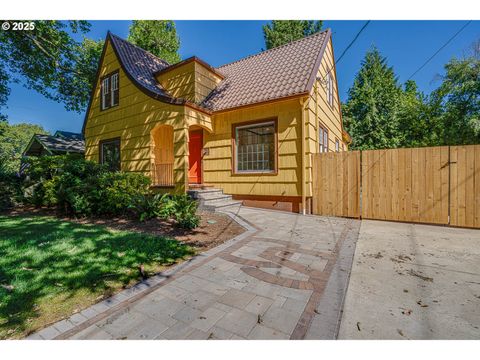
(138, 47)
(275, 48)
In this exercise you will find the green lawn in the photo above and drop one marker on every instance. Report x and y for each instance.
(50, 268)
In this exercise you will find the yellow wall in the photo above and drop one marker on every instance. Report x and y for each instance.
(217, 165)
(191, 81)
(133, 120)
(138, 114)
(320, 112)
(180, 81)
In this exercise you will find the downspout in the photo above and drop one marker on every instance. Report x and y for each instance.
(304, 177)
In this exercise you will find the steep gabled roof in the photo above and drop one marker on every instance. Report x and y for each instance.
(54, 145)
(280, 72)
(139, 65)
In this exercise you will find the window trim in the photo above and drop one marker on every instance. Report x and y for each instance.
(337, 145)
(325, 131)
(110, 84)
(107, 141)
(234, 171)
(329, 90)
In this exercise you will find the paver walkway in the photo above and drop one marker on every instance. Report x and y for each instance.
(285, 278)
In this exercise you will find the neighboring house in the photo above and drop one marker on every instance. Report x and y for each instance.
(241, 127)
(62, 142)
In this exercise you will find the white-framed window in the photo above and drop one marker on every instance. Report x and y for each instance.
(105, 93)
(255, 147)
(110, 90)
(114, 89)
(323, 139)
(337, 145)
(329, 89)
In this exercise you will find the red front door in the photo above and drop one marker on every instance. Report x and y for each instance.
(195, 145)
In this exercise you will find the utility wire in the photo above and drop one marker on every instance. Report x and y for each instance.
(440, 49)
(347, 48)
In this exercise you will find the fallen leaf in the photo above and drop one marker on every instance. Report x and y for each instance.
(358, 326)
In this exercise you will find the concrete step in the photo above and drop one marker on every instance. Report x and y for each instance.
(226, 204)
(213, 196)
(200, 194)
(216, 200)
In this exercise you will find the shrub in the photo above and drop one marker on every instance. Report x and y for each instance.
(84, 188)
(119, 190)
(146, 207)
(10, 190)
(185, 211)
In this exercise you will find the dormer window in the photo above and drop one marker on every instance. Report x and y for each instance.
(110, 90)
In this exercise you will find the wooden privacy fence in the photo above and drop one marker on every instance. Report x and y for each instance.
(336, 184)
(438, 185)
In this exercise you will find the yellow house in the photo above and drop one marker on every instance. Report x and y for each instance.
(248, 127)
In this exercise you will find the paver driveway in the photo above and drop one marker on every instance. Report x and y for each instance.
(285, 278)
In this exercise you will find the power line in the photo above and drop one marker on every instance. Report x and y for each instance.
(347, 48)
(351, 42)
(440, 49)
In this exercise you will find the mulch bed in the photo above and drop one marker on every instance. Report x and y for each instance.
(214, 228)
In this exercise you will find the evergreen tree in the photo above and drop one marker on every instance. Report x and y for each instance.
(418, 117)
(371, 112)
(459, 98)
(280, 32)
(158, 37)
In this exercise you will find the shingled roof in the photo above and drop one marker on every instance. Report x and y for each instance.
(277, 73)
(141, 66)
(41, 144)
(280, 72)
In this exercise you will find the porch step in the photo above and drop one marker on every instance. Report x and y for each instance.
(212, 199)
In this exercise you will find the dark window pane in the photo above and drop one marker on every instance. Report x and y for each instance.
(255, 147)
(110, 154)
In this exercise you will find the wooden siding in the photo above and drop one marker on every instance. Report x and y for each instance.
(191, 81)
(217, 165)
(336, 184)
(321, 113)
(133, 121)
(180, 81)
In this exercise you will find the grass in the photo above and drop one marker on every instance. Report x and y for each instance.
(50, 268)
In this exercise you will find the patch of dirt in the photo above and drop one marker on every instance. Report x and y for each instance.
(214, 228)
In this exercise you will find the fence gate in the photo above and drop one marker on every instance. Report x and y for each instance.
(406, 184)
(465, 186)
(437, 185)
(336, 184)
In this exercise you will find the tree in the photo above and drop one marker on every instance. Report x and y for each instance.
(459, 97)
(371, 112)
(280, 32)
(50, 61)
(418, 118)
(13, 141)
(158, 37)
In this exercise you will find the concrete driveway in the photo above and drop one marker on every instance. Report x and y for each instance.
(285, 278)
(413, 282)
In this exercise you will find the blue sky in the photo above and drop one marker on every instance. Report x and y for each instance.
(406, 44)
